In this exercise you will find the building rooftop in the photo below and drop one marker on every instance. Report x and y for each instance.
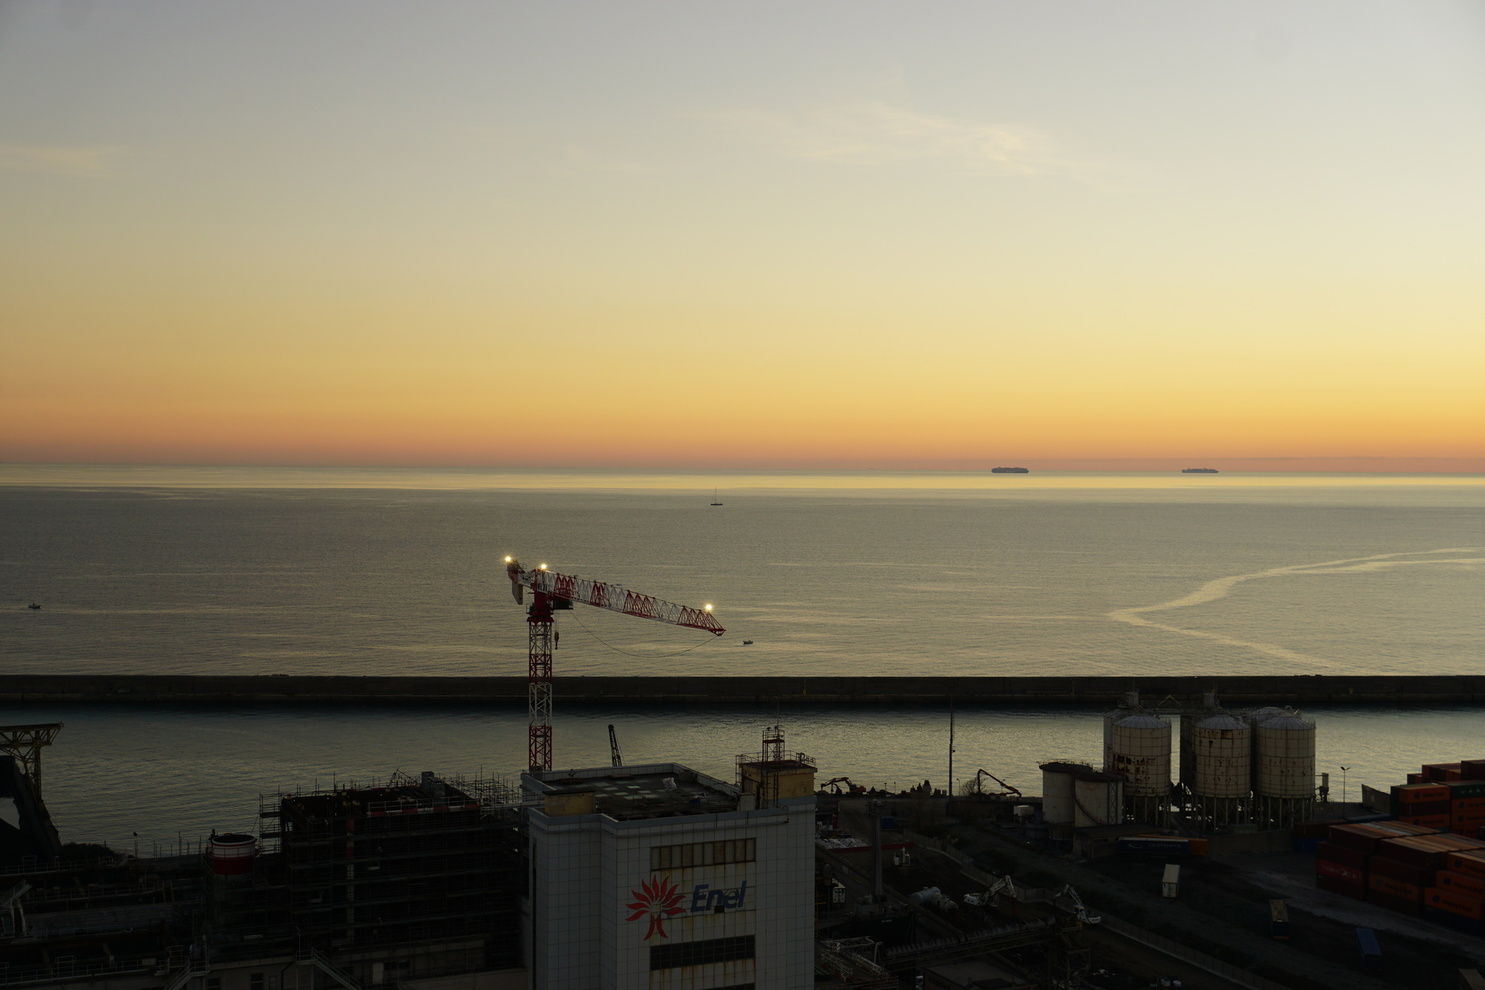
(659, 790)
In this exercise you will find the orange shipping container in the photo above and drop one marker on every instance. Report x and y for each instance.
(1447, 900)
(1461, 883)
(1416, 793)
(1469, 862)
(1396, 888)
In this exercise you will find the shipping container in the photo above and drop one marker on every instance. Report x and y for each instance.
(1459, 789)
(1377, 883)
(1418, 876)
(1472, 769)
(1467, 862)
(1340, 871)
(1341, 854)
(1406, 794)
(1461, 883)
(1455, 902)
(1442, 771)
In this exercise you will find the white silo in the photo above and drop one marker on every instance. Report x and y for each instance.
(1142, 754)
(1058, 802)
(1128, 706)
(1286, 758)
(1099, 799)
(1142, 758)
(1222, 747)
(1284, 774)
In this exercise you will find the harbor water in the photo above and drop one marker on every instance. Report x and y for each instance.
(252, 572)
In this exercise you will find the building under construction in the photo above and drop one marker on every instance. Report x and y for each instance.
(401, 884)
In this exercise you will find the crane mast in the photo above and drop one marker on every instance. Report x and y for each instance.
(553, 592)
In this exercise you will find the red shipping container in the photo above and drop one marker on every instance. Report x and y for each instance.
(1341, 872)
(1425, 850)
(1415, 778)
(1418, 876)
(1442, 771)
(1447, 900)
(1438, 822)
(1461, 883)
(1346, 888)
(1472, 769)
(1333, 853)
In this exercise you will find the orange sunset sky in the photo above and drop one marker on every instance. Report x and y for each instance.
(769, 235)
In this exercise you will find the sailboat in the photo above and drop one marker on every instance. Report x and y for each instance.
(714, 497)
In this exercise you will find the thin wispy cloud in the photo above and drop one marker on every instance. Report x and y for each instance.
(70, 160)
(882, 133)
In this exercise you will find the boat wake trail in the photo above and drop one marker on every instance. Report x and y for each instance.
(1219, 588)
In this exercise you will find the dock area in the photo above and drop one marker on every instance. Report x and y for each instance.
(1028, 692)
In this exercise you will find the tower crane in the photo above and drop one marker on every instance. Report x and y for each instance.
(553, 592)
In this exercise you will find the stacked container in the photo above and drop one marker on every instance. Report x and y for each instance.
(1406, 868)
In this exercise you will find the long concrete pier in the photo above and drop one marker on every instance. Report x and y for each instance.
(1031, 692)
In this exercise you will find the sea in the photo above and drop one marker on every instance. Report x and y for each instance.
(148, 570)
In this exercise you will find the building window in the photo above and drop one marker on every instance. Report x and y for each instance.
(711, 950)
(703, 854)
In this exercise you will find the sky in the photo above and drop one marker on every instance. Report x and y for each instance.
(823, 235)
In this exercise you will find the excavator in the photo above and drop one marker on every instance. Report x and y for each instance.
(977, 787)
(850, 788)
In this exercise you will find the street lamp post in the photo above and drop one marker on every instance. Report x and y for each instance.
(1343, 784)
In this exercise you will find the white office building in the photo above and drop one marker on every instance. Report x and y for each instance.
(657, 877)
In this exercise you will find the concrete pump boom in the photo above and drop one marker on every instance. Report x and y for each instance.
(553, 592)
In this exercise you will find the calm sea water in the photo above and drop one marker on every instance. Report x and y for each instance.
(355, 573)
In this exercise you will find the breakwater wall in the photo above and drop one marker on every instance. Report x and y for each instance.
(1050, 692)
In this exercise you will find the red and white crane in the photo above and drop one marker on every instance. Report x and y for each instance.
(553, 592)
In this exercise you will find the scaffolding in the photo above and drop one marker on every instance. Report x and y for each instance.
(411, 861)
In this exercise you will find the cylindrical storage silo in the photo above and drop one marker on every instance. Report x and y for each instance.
(1098, 798)
(232, 854)
(1142, 755)
(1286, 758)
(1222, 746)
(1057, 791)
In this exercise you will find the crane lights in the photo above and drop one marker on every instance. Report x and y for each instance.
(553, 591)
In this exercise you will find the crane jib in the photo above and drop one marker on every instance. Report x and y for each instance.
(616, 598)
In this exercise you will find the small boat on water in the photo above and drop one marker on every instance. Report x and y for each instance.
(1009, 470)
(714, 497)
(1198, 470)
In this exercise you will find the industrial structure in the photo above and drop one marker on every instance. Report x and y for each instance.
(1247, 767)
(658, 876)
(553, 592)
